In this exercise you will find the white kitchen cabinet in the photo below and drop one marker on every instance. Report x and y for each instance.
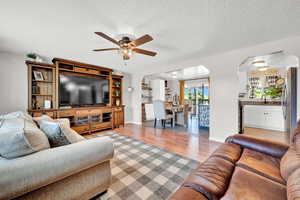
(266, 117)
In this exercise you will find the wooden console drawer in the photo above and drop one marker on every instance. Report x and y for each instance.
(118, 109)
(80, 113)
(86, 70)
(95, 112)
(81, 129)
(100, 126)
(106, 110)
(38, 114)
(66, 113)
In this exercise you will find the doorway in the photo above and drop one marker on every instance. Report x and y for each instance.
(268, 96)
(185, 93)
(196, 95)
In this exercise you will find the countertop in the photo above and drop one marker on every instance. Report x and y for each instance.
(245, 101)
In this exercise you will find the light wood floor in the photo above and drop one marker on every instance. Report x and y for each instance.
(195, 147)
(267, 134)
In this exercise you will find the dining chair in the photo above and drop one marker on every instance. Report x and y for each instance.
(161, 114)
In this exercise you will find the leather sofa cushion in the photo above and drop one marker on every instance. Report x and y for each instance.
(228, 151)
(293, 185)
(247, 185)
(262, 164)
(295, 133)
(211, 178)
(289, 162)
(187, 193)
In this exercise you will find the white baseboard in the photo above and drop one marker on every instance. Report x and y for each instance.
(217, 139)
(133, 122)
(272, 128)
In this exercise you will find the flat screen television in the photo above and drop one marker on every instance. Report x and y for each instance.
(76, 90)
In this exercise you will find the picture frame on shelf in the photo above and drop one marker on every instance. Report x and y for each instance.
(47, 104)
(38, 76)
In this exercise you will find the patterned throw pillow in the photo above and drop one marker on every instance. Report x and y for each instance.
(55, 136)
(58, 131)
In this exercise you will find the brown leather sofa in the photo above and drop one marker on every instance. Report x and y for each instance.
(246, 168)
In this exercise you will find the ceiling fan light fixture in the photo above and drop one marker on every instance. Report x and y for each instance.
(126, 52)
(127, 46)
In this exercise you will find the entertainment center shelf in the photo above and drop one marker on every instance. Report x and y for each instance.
(98, 105)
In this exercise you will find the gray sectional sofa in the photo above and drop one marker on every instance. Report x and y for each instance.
(76, 171)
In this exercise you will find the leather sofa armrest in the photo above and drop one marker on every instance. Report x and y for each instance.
(28, 173)
(275, 149)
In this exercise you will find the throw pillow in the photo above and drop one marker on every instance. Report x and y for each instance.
(19, 137)
(53, 132)
(38, 120)
(59, 132)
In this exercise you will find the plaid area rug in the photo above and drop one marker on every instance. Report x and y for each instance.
(143, 171)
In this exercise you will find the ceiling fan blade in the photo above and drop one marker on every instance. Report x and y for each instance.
(108, 49)
(108, 38)
(142, 40)
(145, 52)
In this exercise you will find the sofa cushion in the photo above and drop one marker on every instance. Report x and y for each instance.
(18, 114)
(58, 131)
(293, 185)
(211, 178)
(261, 164)
(228, 151)
(187, 193)
(247, 185)
(289, 162)
(20, 136)
(295, 133)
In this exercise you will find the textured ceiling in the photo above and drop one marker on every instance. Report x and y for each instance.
(181, 29)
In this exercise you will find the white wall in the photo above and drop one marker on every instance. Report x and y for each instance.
(174, 86)
(127, 97)
(136, 103)
(158, 89)
(13, 83)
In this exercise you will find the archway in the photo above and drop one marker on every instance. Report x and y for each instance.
(268, 95)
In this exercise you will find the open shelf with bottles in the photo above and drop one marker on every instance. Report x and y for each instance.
(116, 90)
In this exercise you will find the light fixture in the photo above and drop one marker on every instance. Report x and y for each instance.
(130, 89)
(259, 63)
(126, 52)
(263, 68)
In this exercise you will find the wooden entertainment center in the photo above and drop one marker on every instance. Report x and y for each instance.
(43, 95)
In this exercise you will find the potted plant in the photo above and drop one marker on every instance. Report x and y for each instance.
(31, 56)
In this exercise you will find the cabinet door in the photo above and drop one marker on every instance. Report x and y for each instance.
(118, 118)
(274, 119)
(254, 117)
(121, 118)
